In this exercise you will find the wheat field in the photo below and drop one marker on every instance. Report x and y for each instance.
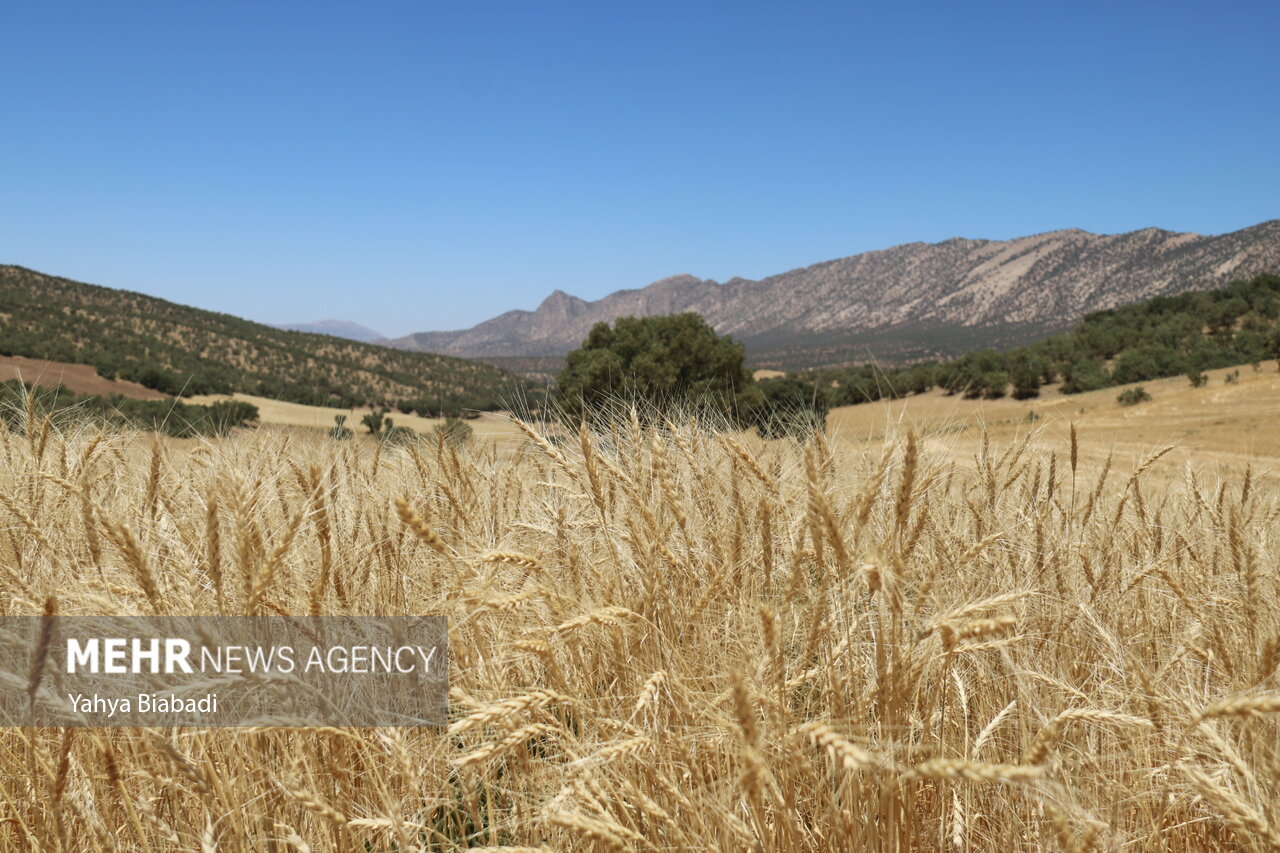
(669, 637)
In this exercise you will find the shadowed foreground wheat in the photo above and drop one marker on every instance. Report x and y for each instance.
(665, 639)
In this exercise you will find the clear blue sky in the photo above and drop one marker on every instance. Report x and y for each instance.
(420, 165)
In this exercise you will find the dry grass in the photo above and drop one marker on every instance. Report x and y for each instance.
(1221, 426)
(281, 413)
(662, 640)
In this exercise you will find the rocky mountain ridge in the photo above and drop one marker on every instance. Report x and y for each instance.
(909, 301)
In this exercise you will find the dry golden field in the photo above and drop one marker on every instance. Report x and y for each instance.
(1222, 427)
(912, 635)
(280, 413)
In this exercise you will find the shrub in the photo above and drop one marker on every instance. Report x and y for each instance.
(225, 414)
(392, 434)
(453, 430)
(1133, 396)
(373, 421)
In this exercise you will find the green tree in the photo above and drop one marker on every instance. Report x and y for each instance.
(656, 361)
(1026, 380)
(791, 406)
(994, 385)
(1273, 345)
(1084, 375)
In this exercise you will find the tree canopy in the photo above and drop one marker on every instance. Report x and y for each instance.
(651, 364)
(657, 361)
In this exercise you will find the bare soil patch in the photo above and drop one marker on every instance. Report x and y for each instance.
(80, 378)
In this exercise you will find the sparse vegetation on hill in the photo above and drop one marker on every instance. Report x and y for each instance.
(1161, 337)
(187, 351)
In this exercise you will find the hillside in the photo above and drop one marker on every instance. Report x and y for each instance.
(1159, 337)
(176, 349)
(914, 301)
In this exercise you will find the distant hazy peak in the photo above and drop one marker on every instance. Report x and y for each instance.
(337, 328)
(559, 300)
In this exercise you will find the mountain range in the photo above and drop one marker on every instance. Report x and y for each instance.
(913, 301)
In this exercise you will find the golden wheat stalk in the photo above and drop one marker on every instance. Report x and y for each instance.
(496, 712)
(959, 769)
(40, 651)
(1052, 730)
(419, 527)
(840, 751)
(122, 536)
(512, 558)
(1242, 706)
(502, 747)
(612, 615)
